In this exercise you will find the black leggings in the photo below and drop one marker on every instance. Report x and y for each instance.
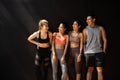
(74, 52)
(73, 65)
(43, 64)
(43, 68)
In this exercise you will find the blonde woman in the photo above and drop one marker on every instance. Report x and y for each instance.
(43, 43)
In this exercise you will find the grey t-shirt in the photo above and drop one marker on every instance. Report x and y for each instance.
(93, 41)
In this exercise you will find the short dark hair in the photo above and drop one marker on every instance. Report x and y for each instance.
(92, 15)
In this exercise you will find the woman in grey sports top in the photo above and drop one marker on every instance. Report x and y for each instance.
(76, 46)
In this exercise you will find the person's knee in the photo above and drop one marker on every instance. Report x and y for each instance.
(99, 70)
(55, 70)
(64, 71)
(90, 69)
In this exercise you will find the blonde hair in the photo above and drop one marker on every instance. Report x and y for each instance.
(42, 22)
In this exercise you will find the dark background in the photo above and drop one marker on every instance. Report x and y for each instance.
(19, 19)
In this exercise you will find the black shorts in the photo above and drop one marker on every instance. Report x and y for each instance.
(94, 59)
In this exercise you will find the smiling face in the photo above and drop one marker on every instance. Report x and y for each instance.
(90, 21)
(76, 26)
(61, 28)
(43, 25)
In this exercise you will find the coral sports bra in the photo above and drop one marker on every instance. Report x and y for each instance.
(58, 40)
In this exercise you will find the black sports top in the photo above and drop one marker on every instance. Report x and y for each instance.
(43, 40)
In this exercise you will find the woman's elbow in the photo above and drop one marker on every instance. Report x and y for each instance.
(29, 39)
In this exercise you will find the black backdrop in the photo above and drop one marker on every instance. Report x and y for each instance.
(19, 19)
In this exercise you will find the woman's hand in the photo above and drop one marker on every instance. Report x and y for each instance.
(63, 60)
(54, 58)
(79, 58)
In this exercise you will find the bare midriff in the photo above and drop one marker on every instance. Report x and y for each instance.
(59, 46)
(44, 45)
(74, 45)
